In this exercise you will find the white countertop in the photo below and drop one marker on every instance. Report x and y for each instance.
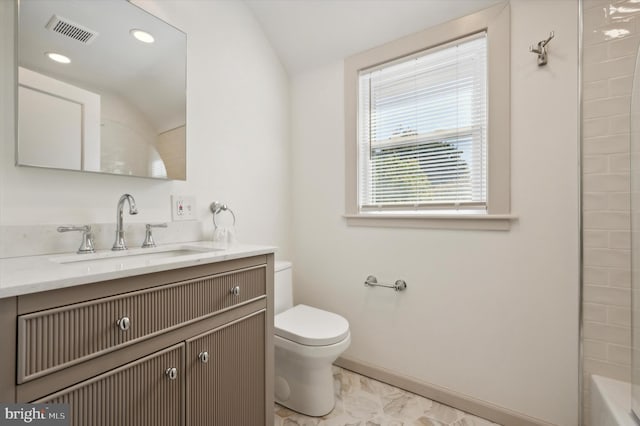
(32, 274)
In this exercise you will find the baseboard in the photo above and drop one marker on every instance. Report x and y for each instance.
(445, 396)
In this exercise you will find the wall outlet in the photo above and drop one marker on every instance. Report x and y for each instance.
(183, 207)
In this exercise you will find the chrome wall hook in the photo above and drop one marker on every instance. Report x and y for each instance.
(541, 50)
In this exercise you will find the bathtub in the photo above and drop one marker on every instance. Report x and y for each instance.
(610, 402)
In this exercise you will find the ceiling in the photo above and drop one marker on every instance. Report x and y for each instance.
(115, 62)
(307, 34)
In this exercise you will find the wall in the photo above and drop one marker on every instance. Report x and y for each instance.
(489, 314)
(611, 39)
(127, 137)
(238, 136)
(171, 147)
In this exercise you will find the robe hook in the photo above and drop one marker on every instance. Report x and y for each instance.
(541, 50)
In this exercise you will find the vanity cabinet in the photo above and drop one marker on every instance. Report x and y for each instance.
(144, 392)
(189, 346)
(225, 374)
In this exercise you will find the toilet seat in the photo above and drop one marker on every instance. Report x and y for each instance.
(311, 326)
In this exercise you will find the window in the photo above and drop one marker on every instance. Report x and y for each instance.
(422, 130)
(427, 127)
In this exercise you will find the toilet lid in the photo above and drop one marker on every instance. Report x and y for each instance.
(311, 326)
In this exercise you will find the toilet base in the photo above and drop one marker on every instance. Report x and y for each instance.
(304, 376)
(312, 396)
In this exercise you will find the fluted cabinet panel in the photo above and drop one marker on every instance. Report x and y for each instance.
(137, 394)
(229, 389)
(57, 338)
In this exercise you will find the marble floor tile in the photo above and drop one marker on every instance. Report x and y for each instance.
(361, 401)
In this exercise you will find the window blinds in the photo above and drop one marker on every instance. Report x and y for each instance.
(422, 126)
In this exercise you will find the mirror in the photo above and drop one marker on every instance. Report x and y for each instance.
(118, 106)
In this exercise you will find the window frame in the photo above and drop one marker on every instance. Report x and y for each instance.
(496, 22)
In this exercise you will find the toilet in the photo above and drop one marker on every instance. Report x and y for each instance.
(307, 341)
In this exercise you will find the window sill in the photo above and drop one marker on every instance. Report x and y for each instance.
(480, 222)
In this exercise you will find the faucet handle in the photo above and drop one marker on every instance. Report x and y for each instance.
(148, 238)
(87, 237)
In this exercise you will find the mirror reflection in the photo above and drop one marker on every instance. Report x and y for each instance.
(101, 88)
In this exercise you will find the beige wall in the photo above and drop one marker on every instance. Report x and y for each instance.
(238, 136)
(608, 68)
(172, 150)
(489, 314)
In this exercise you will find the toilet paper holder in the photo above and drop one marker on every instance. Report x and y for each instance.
(371, 281)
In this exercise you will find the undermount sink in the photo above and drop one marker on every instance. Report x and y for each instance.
(130, 257)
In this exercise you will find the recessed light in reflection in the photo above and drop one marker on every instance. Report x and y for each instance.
(142, 36)
(622, 13)
(616, 33)
(58, 57)
(626, 9)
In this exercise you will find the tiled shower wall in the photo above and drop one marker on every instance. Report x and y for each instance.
(610, 42)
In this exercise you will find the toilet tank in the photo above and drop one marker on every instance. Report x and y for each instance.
(283, 286)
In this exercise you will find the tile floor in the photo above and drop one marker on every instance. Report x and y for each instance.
(361, 401)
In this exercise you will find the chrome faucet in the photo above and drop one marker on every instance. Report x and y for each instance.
(119, 244)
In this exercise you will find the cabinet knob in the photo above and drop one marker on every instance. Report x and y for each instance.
(204, 357)
(171, 373)
(124, 323)
(235, 290)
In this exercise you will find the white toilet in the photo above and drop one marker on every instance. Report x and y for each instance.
(307, 341)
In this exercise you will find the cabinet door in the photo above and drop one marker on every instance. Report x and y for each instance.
(143, 392)
(226, 374)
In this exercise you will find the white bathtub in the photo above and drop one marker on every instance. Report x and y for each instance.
(610, 402)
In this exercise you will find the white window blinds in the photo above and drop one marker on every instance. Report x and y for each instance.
(422, 125)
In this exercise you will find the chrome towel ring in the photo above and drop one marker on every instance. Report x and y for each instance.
(217, 208)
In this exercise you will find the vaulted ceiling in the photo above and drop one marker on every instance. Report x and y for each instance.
(311, 33)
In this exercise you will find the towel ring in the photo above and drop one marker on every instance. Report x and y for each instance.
(217, 208)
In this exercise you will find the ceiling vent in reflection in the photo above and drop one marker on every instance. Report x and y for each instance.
(70, 29)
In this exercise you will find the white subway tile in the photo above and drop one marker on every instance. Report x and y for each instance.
(620, 277)
(627, 46)
(594, 17)
(605, 220)
(595, 350)
(619, 354)
(595, 90)
(594, 312)
(615, 371)
(606, 198)
(619, 67)
(595, 201)
(620, 240)
(606, 182)
(607, 333)
(620, 86)
(612, 258)
(595, 239)
(590, 4)
(595, 53)
(610, 144)
(607, 296)
(606, 107)
(619, 316)
(596, 127)
(620, 124)
(595, 276)
(619, 163)
(608, 32)
(595, 164)
(619, 201)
